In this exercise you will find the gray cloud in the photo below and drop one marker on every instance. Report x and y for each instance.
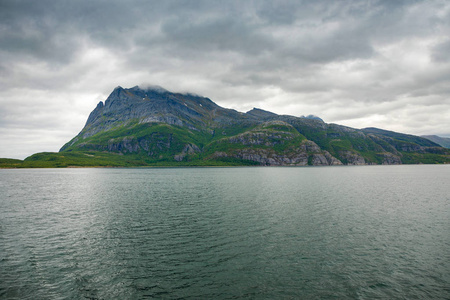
(356, 63)
(441, 52)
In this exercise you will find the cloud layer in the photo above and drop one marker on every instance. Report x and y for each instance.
(358, 63)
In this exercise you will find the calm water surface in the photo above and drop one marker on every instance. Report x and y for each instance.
(374, 232)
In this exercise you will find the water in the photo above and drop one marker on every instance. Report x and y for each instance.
(374, 232)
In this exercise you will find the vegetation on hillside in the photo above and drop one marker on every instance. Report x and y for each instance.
(136, 127)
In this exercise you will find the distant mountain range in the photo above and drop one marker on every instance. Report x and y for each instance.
(442, 141)
(154, 127)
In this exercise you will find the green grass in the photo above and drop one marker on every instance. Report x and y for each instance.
(103, 159)
(78, 159)
(10, 163)
(424, 158)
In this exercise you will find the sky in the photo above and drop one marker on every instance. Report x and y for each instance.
(382, 64)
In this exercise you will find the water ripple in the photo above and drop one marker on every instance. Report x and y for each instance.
(225, 233)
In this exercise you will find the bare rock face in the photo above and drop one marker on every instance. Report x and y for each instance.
(391, 159)
(153, 105)
(353, 158)
(332, 161)
(269, 158)
(319, 160)
(188, 149)
(307, 153)
(256, 138)
(409, 148)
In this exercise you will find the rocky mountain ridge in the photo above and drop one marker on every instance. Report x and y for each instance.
(159, 126)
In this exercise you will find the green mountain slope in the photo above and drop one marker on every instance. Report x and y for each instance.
(154, 127)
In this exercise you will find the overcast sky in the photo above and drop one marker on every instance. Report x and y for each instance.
(362, 64)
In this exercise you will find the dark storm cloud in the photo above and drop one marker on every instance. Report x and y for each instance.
(361, 63)
(54, 30)
(29, 31)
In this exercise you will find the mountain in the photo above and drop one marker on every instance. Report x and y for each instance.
(444, 142)
(152, 126)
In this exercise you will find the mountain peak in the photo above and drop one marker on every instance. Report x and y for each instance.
(260, 113)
